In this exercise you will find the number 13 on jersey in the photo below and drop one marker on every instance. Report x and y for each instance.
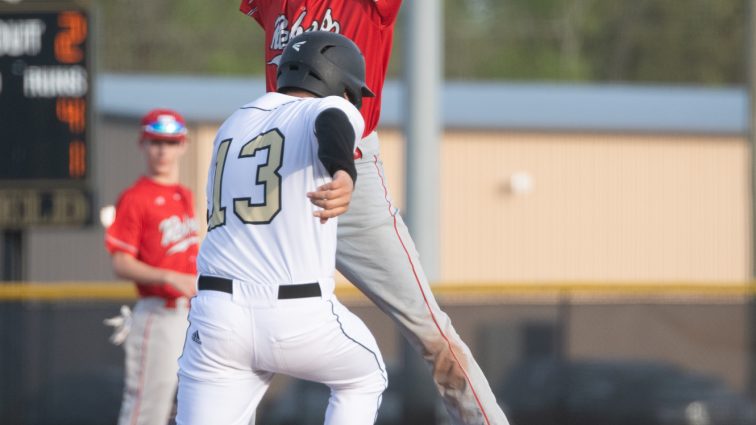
(266, 175)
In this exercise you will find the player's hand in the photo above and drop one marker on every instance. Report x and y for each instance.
(121, 325)
(182, 282)
(333, 197)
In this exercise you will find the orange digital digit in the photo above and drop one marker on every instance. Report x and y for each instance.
(72, 112)
(68, 41)
(77, 159)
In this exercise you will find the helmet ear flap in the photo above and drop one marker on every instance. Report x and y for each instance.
(354, 98)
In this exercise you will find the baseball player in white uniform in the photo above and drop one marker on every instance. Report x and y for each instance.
(265, 300)
(375, 250)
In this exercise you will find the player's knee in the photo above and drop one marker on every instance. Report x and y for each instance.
(384, 381)
(372, 384)
(376, 383)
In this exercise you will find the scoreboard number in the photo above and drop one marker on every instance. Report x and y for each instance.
(45, 82)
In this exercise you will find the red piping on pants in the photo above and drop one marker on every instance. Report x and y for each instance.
(142, 370)
(425, 298)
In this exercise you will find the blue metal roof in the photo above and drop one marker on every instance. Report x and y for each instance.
(467, 105)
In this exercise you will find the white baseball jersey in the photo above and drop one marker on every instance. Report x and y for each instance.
(262, 238)
(265, 161)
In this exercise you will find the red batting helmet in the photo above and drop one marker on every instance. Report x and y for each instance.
(163, 124)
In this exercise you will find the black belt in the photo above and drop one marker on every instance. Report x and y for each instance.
(285, 292)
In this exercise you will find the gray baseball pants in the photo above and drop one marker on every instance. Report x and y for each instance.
(377, 254)
(152, 349)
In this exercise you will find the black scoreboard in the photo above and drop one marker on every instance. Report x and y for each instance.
(45, 87)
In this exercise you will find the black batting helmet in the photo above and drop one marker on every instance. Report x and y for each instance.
(324, 64)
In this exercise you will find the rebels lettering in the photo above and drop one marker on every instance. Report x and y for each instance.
(179, 232)
(282, 33)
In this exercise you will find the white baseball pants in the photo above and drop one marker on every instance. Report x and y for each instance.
(237, 342)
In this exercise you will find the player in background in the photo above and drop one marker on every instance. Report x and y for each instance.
(153, 242)
(265, 303)
(375, 250)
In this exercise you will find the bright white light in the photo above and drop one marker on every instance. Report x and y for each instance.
(521, 183)
(697, 414)
(107, 215)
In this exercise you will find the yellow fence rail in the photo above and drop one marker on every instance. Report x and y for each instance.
(105, 291)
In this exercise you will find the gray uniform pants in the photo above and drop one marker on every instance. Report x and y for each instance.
(376, 253)
(152, 350)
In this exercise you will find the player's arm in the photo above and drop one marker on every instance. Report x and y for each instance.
(126, 266)
(336, 137)
(122, 242)
(254, 9)
(387, 9)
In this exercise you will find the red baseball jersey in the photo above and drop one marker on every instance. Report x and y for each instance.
(155, 223)
(369, 23)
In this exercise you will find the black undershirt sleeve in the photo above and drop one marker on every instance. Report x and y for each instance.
(335, 136)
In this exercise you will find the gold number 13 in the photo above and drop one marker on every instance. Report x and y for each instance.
(267, 175)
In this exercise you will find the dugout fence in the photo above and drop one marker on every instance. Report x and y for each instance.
(555, 354)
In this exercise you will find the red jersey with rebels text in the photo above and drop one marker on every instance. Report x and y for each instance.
(369, 23)
(155, 223)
